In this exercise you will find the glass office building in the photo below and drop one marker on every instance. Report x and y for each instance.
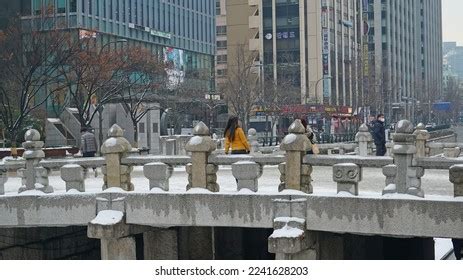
(179, 30)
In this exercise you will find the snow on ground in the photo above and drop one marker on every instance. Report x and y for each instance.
(442, 247)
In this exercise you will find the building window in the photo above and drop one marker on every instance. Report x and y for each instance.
(221, 44)
(221, 30)
(155, 128)
(141, 127)
(222, 59)
(217, 8)
(61, 6)
(73, 6)
(222, 72)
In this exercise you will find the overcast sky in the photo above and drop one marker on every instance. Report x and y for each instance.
(452, 17)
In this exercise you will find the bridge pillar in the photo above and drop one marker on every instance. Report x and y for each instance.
(290, 240)
(114, 149)
(407, 177)
(422, 136)
(295, 174)
(201, 174)
(33, 176)
(161, 244)
(365, 140)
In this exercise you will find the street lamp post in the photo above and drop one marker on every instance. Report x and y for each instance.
(316, 87)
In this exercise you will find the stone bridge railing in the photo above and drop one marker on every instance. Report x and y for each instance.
(296, 213)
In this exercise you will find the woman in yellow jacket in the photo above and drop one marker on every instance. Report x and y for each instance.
(235, 139)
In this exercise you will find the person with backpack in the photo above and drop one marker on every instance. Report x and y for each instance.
(235, 139)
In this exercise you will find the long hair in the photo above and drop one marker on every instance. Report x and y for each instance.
(231, 128)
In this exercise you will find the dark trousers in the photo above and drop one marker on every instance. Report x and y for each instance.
(457, 246)
(89, 154)
(240, 152)
(381, 150)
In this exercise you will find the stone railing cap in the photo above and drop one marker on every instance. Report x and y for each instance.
(115, 131)
(201, 129)
(363, 128)
(32, 135)
(405, 127)
(297, 127)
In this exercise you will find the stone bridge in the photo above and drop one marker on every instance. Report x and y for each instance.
(294, 221)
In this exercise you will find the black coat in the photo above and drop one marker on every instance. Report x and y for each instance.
(378, 131)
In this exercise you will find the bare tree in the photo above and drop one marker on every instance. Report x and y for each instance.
(143, 76)
(242, 89)
(29, 60)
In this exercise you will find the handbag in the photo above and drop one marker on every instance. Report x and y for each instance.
(315, 149)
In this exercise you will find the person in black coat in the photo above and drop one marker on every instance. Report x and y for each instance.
(378, 131)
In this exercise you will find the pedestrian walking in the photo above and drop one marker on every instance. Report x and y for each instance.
(88, 145)
(378, 131)
(235, 139)
(457, 248)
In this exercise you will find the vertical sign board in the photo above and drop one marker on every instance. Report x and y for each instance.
(325, 52)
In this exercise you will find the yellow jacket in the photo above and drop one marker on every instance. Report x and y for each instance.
(239, 142)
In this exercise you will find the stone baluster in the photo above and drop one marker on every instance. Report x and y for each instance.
(252, 138)
(422, 137)
(290, 240)
(73, 175)
(171, 145)
(456, 177)
(365, 140)
(114, 149)
(201, 174)
(158, 174)
(451, 150)
(3, 179)
(33, 176)
(407, 177)
(247, 174)
(347, 176)
(295, 174)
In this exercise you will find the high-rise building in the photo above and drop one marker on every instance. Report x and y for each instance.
(314, 45)
(221, 35)
(181, 31)
(403, 55)
(453, 58)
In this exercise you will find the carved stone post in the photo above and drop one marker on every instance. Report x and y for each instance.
(73, 175)
(347, 176)
(247, 174)
(158, 174)
(364, 140)
(33, 176)
(456, 177)
(252, 138)
(297, 176)
(114, 149)
(451, 150)
(201, 174)
(422, 136)
(408, 177)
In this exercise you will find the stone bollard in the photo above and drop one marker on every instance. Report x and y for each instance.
(407, 177)
(252, 138)
(456, 177)
(201, 174)
(73, 175)
(365, 140)
(296, 175)
(33, 176)
(422, 136)
(114, 149)
(347, 176)
(451, 150)
(171, 145)
(247, 174)
(158, 174)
